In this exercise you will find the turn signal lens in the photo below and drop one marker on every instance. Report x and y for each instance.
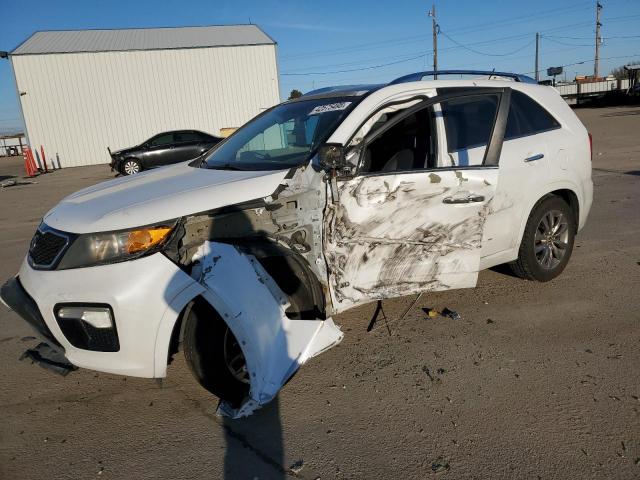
(146, 238)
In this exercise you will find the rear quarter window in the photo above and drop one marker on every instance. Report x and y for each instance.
(527, 117)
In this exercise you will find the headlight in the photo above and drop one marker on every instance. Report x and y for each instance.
(98, 248)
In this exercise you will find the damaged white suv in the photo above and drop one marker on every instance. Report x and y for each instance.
(338, 198)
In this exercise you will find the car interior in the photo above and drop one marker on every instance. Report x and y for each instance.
(411, 144)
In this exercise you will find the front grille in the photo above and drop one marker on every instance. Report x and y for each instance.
(46, 248)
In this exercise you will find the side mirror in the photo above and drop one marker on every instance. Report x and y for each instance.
(337, 159)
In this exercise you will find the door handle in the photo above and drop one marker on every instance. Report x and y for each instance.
(471, 198)
(533, 158)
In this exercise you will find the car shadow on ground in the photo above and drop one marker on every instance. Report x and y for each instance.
(504, 269)
(254, 445)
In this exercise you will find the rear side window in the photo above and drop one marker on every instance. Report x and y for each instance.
(468, 121)
(182, 137)
(527, 117)
(163, 139)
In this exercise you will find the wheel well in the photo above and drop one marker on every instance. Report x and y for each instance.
(175, 341)
(572, 200)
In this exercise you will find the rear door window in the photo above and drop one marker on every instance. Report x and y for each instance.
(185, 137)
(527, 117)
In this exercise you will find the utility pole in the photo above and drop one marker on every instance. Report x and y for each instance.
(596, 63)
(435, 27)
(537, 51)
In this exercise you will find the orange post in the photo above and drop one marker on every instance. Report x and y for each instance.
(27, 170)
(28, 162)
(44, 159)
(34, 168)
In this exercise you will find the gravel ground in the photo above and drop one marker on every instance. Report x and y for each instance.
(535, 381)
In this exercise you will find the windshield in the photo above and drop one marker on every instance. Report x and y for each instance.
(283, 137)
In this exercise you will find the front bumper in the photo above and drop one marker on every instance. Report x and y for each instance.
(114, 163)
(17, 299)
(146, 296)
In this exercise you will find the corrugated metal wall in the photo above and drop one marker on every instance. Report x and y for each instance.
(78, 104)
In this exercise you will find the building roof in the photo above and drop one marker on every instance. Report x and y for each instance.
(75, 41)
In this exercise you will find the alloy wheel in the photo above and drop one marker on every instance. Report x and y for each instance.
(551, 239)
(234, 358)
(131, 167)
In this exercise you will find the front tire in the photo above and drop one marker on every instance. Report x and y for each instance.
(214, 355)
(130, 166)
(547, 242)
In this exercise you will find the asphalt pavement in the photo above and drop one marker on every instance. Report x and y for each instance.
(534, 381)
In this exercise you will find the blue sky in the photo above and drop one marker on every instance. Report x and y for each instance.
(351, 37)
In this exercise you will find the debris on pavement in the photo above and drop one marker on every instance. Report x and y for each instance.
(439, 371)
(432, 313)
(453, 315)
(446, 312)
(440, 465)
(15, 183)
(297, 466)
(49, 359)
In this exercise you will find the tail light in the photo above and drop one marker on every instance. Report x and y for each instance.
(591, 145)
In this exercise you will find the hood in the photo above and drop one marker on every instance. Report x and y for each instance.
(158, 195)
(123, 151)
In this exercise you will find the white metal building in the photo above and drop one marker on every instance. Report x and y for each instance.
(84, 91)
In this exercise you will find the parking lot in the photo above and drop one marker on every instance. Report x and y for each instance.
(534, 381)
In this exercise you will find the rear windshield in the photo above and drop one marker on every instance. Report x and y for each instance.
(285, 136)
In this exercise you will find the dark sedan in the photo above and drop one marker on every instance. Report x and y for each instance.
(163, 149)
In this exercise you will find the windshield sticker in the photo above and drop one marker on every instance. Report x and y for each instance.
(331, 107)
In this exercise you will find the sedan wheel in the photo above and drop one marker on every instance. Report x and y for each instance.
(131, 167)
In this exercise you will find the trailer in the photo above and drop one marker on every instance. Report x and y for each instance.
(12, 145)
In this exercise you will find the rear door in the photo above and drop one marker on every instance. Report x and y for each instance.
(186, 146)
(412, 218)
(159, 150)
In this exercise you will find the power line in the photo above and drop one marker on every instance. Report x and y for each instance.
(373, 67)
(560, 42)
(458, 45)
(415, 38)
(467, 47)
(592, 60)
(484, 42)
(520, 18)
(589, 38)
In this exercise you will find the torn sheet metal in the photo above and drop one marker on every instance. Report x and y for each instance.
(254, 308)
(392, 235)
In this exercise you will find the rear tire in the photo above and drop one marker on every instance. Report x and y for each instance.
(214, 355)
(547, 242)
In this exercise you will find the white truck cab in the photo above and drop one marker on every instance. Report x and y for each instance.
(338, 198)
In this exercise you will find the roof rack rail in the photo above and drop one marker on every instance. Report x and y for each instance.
(416, 77)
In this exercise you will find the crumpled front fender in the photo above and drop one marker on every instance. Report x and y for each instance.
(253, 306)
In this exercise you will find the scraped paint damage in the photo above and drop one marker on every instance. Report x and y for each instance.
(389, 236)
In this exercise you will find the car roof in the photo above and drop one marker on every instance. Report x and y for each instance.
(359, 90)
